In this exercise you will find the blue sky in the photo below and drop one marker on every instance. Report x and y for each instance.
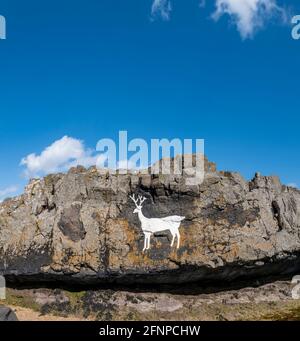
(87, 69)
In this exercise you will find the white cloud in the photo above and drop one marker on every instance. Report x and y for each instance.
(128, 164)
(125, 164)
(59, 157)
(7, 192)
(248, 15)
(65, 153)
(293, 185)
(161, 8)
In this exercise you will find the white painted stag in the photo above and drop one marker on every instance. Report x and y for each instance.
(151, 226)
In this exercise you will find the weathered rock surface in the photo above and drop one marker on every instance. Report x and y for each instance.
(271, 301)
(6, 314)
(79, 227)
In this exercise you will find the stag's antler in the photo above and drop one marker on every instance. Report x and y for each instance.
(137, 201)
(142, 199)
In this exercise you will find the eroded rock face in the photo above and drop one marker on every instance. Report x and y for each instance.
(80, 227)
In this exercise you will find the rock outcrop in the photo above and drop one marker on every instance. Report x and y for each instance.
(6, 314)
(79, 227)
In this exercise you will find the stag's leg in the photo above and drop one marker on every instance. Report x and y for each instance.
(149, 238)
(145, 242)
(173, 238)
(178, 239)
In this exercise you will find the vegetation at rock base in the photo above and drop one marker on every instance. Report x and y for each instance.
(268, 302)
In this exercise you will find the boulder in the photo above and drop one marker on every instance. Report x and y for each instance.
(6, 314)
(80, 228)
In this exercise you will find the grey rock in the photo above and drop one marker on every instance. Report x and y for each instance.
(79, 227)
(6, 314)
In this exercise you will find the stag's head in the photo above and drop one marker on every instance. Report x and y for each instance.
(138, 202)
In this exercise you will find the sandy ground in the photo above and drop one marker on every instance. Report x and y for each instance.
(25, 314)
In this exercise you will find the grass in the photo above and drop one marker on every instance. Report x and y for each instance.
(20, 300)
